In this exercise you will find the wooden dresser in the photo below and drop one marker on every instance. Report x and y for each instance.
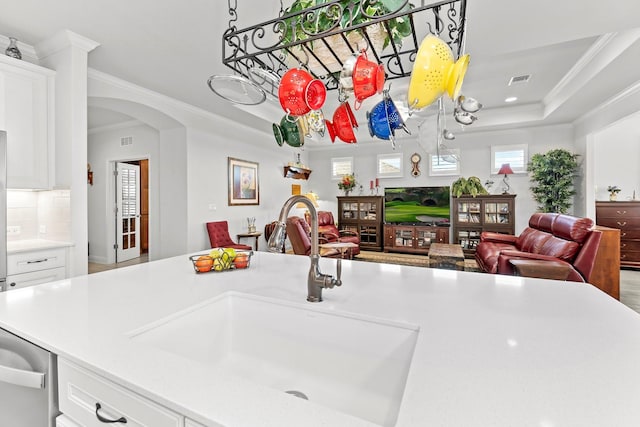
(624, 216)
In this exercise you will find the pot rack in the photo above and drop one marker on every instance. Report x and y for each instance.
(260, 47)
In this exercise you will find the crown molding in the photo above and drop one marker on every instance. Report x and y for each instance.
(63, 40)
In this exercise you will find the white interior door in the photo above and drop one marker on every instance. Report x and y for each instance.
(127, 211)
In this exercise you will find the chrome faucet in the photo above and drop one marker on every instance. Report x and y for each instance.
(316, 280)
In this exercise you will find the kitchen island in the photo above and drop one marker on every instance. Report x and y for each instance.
(484, 350)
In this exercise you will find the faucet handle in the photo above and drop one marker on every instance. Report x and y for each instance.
(338, 272)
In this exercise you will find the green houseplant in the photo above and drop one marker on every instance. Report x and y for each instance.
(347, 12)
(552, 177)
(468, 186)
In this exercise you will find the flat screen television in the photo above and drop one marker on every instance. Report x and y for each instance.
(417, 205)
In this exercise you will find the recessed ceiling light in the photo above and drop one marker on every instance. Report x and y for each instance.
(511, 99)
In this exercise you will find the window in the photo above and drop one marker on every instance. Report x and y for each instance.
(341, 166)
(516, 155)
(445, 164)
(389, 166)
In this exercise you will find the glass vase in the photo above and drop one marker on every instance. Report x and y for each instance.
(12, 50)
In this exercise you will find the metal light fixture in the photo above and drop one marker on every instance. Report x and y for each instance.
(505, 170)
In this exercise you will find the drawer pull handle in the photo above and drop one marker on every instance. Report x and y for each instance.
(623, 245)
(622, 224)
(36, 261)
(623, 234)
(102, 419)
(621, 212)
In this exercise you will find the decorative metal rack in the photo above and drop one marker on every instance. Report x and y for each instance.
(260, 46)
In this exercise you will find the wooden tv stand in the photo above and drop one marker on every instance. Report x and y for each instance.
(414, 239)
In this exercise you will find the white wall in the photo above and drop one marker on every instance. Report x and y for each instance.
(475, 152)
(207, 177)
(616, 154)
(104, 148)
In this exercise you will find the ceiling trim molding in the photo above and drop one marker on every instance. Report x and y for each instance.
(632, 92)
(115, 126)
(600, 55)
(63, 40)
(161, 99)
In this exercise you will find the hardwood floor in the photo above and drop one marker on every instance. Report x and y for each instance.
(630, 289)
(96, 268)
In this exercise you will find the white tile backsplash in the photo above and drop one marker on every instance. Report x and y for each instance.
(34, 211)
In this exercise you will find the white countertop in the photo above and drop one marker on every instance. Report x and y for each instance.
(492, 350)
(16, 246)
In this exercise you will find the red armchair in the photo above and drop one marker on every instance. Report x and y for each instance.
(328, 230)
(561, 239)
(219, 236)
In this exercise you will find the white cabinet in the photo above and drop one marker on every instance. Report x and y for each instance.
(190, 423)
(27, 115)
(91, 401)
(35, 267)
(64, 421)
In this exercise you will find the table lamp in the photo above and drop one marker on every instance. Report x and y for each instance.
(311, 196)
(505, 170)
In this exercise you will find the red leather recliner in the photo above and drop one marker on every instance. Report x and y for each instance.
(327, 229)
(299, 234)
(219, 236)
(551, 237)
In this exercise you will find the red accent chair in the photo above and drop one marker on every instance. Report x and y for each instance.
(559, 238)
(299, 234)
(219, 236)
(328, 230)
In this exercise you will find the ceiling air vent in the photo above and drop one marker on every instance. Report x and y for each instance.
(127, 140)
(520, 79)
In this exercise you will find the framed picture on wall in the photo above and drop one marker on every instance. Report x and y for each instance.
(244, 182)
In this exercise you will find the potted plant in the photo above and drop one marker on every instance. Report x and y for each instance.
(347, 183)
(468, 186)
(613, 192)
(341, 14)
(552, 176)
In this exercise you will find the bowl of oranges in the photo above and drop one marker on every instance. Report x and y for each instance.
(221, 259)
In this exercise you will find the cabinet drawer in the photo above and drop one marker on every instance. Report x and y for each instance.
(626, 234)
(621, 223)
(33, 278)
(618, 211)
(630, 256)
(630, 245)
(80, 390)
(25, 262)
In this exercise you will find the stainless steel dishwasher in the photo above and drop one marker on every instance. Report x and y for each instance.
(28, 396)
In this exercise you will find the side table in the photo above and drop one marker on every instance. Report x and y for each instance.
(255, 235)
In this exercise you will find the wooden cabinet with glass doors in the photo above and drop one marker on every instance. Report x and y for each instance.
(363, 215)
(473, 215)
(413, 238)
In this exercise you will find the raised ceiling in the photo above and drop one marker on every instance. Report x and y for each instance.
(578, 52)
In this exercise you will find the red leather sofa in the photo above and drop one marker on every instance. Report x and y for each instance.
(551, 237)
